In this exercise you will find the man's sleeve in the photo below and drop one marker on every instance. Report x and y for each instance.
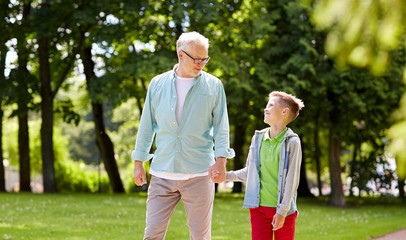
(146, 131)
(221, 126)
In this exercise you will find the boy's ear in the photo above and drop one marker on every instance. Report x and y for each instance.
(285, 111)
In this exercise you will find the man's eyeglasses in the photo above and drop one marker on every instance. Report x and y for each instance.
(198, 61)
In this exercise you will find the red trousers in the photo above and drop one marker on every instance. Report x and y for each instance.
(261, 224)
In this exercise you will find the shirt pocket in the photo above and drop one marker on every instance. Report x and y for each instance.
(202, 105)
(206, 99)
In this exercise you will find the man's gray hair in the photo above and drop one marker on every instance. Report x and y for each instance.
(187, 38)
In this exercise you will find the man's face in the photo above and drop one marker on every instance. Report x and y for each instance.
(187, 66)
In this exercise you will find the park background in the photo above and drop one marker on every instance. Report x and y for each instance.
(75, 75)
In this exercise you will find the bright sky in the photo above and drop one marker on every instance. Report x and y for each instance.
(10, 57)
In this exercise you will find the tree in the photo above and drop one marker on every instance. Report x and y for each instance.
(4, 37)
(94, 24)
(364, 34)
(104, 143)
(2, 172)
(24, 86)
(50, 21)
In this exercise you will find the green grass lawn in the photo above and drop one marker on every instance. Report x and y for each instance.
(103, 216)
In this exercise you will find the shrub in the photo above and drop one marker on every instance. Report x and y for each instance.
(72, 176)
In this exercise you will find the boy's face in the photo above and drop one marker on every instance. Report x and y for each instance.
(273, 112)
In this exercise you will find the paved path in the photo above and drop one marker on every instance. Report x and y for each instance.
(399, 235)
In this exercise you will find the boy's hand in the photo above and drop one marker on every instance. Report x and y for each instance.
(217, 172)
(278, 221)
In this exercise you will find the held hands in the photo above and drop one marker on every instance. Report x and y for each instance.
(139, 176)
(217, 172)
(278, 221)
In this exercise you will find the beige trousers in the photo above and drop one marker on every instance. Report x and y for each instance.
(197, 195)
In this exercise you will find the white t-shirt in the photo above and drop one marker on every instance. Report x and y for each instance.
(182, 86)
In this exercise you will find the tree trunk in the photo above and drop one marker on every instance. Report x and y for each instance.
(24, 152)
(239, 141)
(401, 184)
(2, 175)
(303, 189)
(3, 51)
(337, 195)
(47, 110)
(317, 155)
(103, 141)
(23, 99)
(106, 149)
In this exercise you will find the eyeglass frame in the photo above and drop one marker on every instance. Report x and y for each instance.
(196, 60)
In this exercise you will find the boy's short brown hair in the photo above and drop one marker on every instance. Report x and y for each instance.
(289, 101)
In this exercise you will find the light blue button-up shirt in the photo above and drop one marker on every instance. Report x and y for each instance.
(187, 147)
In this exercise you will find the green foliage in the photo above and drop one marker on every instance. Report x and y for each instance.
(398, 135)
(127, 117)
(365, 33)
(61, 151)
(11, 145)
(65, 108)
(81, 137)
(256, 47)
(23, 87)
(82, 142)
(370, 170)
(361, 33)
(73, 176)
(121, 122)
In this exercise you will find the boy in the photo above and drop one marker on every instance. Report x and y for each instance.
(273, 171)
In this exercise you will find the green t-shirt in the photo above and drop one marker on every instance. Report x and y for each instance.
(269, 168)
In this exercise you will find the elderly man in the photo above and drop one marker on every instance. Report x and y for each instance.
(186, 109)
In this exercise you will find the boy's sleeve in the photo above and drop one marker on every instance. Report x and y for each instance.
(292, 178)
(242, 174)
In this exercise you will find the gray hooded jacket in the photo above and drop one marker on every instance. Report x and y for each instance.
(290, 159)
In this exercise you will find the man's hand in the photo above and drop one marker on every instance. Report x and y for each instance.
(139, 176)
(278, 221)
(217, 172)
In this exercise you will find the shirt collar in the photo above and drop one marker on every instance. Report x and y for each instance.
(174, 73)
(278, 138)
